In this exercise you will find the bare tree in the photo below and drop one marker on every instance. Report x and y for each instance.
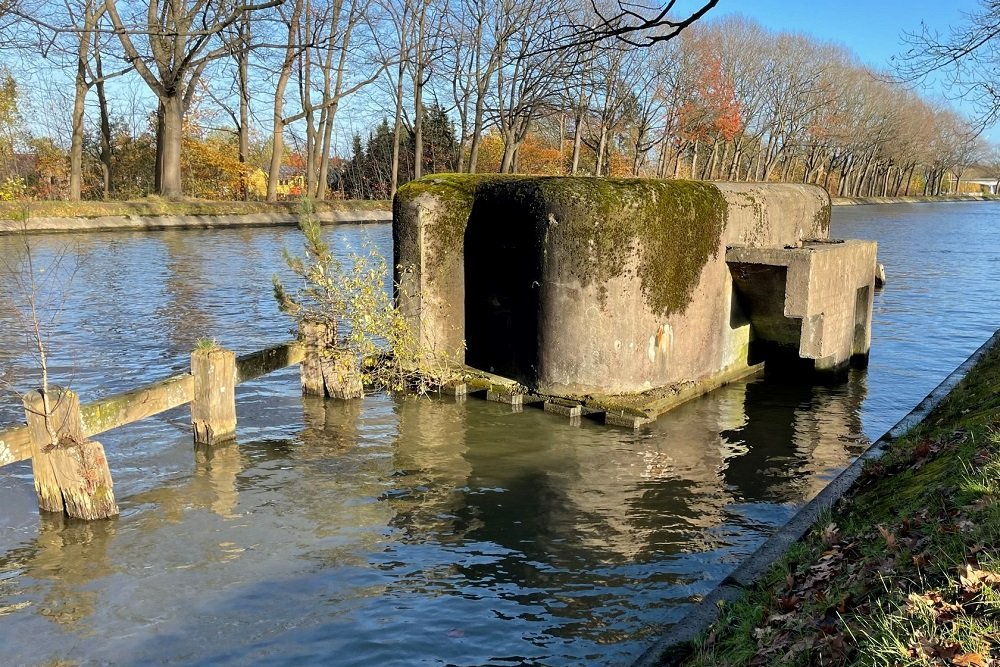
(321, 44)
(967, 57)
(528, 77)
(170, 45)
(635, 23)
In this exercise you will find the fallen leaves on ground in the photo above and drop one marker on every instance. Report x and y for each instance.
(899, 569)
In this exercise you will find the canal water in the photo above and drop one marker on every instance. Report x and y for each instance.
(404, 531)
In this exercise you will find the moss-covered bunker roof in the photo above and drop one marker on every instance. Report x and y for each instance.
(675, 225)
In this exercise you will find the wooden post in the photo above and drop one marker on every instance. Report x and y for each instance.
(213, 410)
(325, 370)
(316, 339)
(71, 474)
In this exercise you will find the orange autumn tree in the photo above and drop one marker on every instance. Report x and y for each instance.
(712, 115)
(534, 156)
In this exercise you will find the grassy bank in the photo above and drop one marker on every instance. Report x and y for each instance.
(154, 206)
(904, 570)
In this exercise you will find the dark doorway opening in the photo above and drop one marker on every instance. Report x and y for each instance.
(502, 280)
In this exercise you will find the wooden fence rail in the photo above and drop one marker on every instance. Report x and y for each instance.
(210, 388)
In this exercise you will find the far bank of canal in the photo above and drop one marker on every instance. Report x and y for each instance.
(396, 531)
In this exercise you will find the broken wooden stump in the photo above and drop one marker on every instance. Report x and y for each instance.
(213, 410)
(71, 473)
(326, 370)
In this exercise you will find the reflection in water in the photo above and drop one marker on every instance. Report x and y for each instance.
(187, 270)
(793, 434)
(65, 557)
(430, 471)
(433, 521)
(393, 530)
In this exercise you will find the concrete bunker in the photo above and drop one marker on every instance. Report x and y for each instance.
(608, 287)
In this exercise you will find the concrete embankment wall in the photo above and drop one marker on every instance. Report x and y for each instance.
(863, 201)
(160, 222)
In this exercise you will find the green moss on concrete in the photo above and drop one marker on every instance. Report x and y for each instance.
(454, 195)
(595, 224)
(599, 224)
(822, 221)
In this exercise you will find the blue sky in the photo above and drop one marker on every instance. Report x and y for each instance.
(872, 29)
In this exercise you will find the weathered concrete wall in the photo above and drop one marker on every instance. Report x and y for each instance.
(577, 286)
(113, 223)
(815, 299)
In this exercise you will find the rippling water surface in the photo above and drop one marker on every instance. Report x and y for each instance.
(398, 531)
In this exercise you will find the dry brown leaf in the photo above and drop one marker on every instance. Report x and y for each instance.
(890, 539)
(972, 578)
(970, 660)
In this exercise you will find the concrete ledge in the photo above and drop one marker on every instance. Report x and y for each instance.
(162, 222)
(657, 402)
(559, 408)
(625, 420)
(675, 646)
(864, 201)
(504, 397)
(456, 389)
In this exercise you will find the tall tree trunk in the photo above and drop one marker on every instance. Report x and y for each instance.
(707, 174)
(418, 130)
(509, 146)
(324, 164)
(243, 80)
(661, 159)
(172, 117)
(397, 131)
(477, 134)
(278, 111)
(562, 143)
(76, 141)
(724, 160)
(734, 167)
(577, 140)
(158, 158)
(602, 145)
(105, 114)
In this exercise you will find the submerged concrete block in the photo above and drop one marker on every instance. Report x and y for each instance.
(582, 286)
(815, 298)
(556, 408)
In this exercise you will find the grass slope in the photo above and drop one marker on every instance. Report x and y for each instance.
(904, 570)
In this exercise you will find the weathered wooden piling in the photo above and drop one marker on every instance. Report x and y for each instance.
(325, 370)
(71, 473)
(213, 410)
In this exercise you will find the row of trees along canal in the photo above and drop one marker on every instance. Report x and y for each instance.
(225, 100)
